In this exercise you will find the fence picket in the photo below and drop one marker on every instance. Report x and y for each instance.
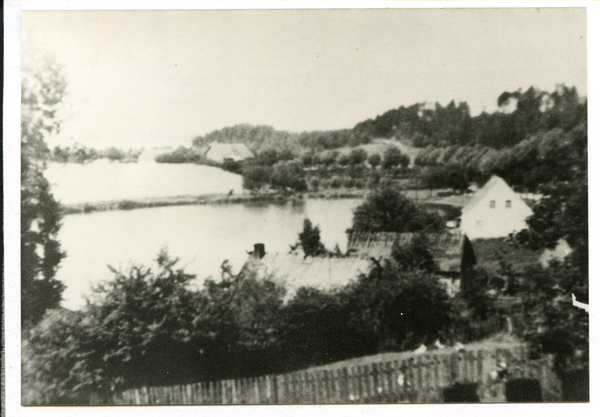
(421, 378)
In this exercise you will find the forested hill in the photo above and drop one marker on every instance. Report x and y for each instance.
(520, 115)
(260, 138)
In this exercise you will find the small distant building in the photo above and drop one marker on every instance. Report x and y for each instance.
(294, 271)
(220, 152)
(494, 211)
(149, 155)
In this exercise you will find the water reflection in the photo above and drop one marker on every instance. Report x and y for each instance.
(201, 236)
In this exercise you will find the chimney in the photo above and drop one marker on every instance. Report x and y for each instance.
(259, 250)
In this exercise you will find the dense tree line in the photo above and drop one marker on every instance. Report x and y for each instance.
(555, 155)
(262, 138)
(520, 114)
(278, 170)
(181, 155)
(81, 154)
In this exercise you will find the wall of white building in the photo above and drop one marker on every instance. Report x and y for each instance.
(498, 212)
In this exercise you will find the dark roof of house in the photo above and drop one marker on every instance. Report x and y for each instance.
(447, 248)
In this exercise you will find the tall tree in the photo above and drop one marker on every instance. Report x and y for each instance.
(42, 91)
(387, 210)
(310, 240)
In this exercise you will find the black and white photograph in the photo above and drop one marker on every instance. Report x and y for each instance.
(293, 206)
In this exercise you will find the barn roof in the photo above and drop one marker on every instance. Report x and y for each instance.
(447, 248)
(223, 151)
(295, 271)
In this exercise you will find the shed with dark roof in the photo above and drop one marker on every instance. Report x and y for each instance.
(452, 252)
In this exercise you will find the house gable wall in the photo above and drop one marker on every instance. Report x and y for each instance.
(492, 216)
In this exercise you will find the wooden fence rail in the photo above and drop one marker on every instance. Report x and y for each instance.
(422, 378)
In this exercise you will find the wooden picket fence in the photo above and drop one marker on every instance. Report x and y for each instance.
(422, 378)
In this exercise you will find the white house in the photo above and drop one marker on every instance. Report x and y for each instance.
(494, 211)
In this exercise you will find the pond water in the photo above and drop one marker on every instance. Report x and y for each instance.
(105, 181)
(202, 236)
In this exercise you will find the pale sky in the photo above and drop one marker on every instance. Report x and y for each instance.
(154, 78)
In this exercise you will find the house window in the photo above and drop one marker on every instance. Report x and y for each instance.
(478, 223)
(492, 204)
(507, 203)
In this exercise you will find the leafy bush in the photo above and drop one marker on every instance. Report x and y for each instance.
(43, 87)
(126, 205)
(256, 176)
(310, 240)
(314, 183)
(374, 160)
(344, 160)
(393, 157)
(290, 175)
(336, 182)
(358, 156)
(387, 210)
(415, 256)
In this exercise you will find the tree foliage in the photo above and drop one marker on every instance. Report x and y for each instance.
(148, 327)
(255, 177)
(181, 155)
(358, 156)
(520, 114)
(393, 157)
(399, 310)
(42, 90)
(387, 210)
(310, 240)
(415, 256)
(288, 175)
(374, 160)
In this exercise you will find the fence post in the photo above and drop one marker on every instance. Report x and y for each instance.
(391, 383)
(333, 390)
(360, 390)
(315, 387)
(472, 366)
(299, 388)
(369, 382)
(418, 364)
(480, 378)
(426, 379)
(383, 378)
(375, 382)
(353, 393)
(323, 388)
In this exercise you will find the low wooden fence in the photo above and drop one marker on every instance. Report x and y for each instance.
(423, 378)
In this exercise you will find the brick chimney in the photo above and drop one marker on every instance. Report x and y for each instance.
(259, 250)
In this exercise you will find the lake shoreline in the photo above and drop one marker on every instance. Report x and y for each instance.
(428, 197)
(213, 199)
